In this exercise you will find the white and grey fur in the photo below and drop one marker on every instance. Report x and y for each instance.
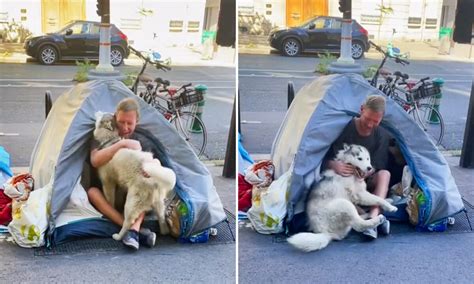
(125, 170)
(331, 203)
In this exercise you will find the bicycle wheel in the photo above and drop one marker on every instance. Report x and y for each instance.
(192, 130)
(430, 120)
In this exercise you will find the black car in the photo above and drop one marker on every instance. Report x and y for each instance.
(319, 34)
(77, 40)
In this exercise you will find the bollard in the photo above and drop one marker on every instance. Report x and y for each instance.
(196, 127)
(48, 103)
(229, 160)
(467, 153)
(291, 93)
(434, 119)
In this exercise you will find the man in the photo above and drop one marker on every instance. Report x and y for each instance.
(127, 115)
(365, 131)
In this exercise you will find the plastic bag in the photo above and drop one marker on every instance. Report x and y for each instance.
(30, 218)
(269, 206)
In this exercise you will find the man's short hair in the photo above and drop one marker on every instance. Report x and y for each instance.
(375, 103)
(129, 104)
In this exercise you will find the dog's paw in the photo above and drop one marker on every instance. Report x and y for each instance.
(116, 237)
(382, 219)
(389, 200)
(391, 208)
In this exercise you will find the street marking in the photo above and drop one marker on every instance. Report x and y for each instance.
(9, 134)
(316, 76)
(250, 122)
(275, 70)
(69, 86)
(312, 71)
(70, 80)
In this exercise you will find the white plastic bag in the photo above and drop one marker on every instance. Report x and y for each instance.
(30, 218)
(269, 206)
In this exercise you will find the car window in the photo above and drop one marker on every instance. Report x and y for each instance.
(78, 29)
(336, 24)
(95, 29)
(322, 23)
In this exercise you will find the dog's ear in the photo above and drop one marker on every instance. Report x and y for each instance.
(98, 115)
(346, 147)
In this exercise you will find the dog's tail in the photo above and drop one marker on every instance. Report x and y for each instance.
(165, 176)
(309, 241)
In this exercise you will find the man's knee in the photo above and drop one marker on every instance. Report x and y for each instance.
(382, 176)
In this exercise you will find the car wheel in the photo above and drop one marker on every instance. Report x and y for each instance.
(48, 55)
(291, 47)
(357, 50)
(116, 56)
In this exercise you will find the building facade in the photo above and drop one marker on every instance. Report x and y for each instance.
(412, 19)
(147, 23)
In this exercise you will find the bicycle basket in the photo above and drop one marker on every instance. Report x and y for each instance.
(187, 98)
(425, 91)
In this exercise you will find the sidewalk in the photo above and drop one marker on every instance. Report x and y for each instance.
(106, 261)
(180, 56)
(405, 256)
(418, 50)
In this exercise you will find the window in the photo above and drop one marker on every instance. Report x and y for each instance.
(176, 26)
(336, 24)
(95, 29)
(193, 26)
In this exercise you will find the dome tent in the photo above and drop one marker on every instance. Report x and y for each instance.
(64, 145)
(317, 116)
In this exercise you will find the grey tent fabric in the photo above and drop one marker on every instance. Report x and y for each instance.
(64, 145)
(316, 118)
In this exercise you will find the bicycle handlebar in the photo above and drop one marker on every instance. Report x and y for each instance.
(157, 64)
(397, 59)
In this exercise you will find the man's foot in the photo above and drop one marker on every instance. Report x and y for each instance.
(384, 228)
(370, 234)
(131, 239)
(147, 237)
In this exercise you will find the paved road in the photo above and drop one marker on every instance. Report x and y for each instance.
(22, 88)
(263, 81)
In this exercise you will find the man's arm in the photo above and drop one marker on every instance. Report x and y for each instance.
(103, 156)
(340, 168)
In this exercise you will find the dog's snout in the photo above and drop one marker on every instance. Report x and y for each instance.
(369, 169)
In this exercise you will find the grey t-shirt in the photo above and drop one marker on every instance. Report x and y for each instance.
(376, 144)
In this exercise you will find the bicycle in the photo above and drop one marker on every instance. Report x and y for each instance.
(423, 112)
(380, 69)
(180, 107)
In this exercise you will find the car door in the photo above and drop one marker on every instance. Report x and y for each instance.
(334, 34)
(317, 33)
(74, 38)
(93, 39)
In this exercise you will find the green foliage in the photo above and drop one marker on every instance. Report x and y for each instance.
(370, 71)
(385, 10)
(83, 70)
(324, 60)
(130, 78)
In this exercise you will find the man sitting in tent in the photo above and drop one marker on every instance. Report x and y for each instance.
(364, 131)
(127, 115)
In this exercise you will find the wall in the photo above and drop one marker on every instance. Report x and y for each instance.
(10, 9)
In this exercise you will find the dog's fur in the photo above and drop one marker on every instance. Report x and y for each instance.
(126, 170)
(330, 207)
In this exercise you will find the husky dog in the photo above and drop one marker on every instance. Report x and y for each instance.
(146, 181)
(330, 207)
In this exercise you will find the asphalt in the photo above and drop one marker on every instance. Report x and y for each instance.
(167, 262)
(405, 256)
(414, 49)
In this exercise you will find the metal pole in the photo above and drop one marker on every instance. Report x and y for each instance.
(291, 93)
(104, 45)
(238, 109)
(467, 153)
(229, 162)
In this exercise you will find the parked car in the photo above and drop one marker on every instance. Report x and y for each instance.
(77, 41)
(319, 34)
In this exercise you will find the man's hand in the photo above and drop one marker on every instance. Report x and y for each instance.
(131, 144)
(341, 168)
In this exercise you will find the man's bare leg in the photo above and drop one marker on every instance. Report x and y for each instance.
(97, 198)
(381, 182)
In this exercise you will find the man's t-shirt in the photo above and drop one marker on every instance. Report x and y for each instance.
(376, 144)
